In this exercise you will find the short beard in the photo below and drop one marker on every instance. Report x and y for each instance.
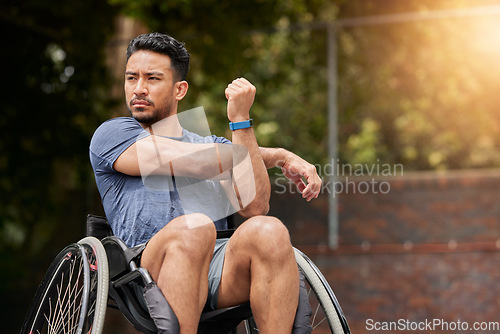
(146, 119)
(150, 119)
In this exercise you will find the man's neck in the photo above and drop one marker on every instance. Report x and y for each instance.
(167, 127)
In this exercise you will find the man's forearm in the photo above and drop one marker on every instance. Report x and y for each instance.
(296, 169)
(260, 205)
(273, 157)
(240, 94)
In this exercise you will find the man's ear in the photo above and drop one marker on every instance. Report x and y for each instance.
(181, 88)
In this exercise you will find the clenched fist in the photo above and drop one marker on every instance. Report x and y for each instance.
(240, 95)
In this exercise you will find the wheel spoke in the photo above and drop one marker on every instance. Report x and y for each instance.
(315, 326)
(315, 313)
(64, 309)
(72, 296)
(72, 291)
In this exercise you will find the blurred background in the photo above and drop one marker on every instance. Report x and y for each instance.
(416, 86)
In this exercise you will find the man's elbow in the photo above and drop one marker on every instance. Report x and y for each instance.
(262, 209)
(259, 208)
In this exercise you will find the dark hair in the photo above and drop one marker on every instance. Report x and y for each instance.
(166, 45)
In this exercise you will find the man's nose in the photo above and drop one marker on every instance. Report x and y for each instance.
(141, 88)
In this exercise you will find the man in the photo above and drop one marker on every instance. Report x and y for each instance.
(180, 249)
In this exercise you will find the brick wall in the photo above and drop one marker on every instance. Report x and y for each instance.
(428, 249)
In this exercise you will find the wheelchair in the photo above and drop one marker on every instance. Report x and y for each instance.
(100, 271)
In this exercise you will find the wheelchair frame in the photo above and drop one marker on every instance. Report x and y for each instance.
(109, 272)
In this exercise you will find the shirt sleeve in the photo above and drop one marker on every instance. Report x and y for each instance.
(111, 139)
(221, 140)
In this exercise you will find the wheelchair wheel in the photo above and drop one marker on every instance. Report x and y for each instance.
(69, 299)
(327, 316)
(99, 270)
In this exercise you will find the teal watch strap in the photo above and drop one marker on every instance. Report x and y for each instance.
(241, 125)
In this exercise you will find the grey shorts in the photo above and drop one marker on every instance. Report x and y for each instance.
(214, 271)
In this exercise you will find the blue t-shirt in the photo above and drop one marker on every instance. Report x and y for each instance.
(138, 207)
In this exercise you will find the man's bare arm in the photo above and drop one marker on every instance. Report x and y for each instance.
(240, 95)
(299, 171)
(163, 156)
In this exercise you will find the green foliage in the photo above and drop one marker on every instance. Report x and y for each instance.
(365, 147)
(430, 85)
(430, 97)
(259, 40)
(290, 69)
(54, 88)
(54, 84)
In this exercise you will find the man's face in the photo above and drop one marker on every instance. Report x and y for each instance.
(150, 91)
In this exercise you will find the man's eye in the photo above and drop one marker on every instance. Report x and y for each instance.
(130, 78)
(154, 78)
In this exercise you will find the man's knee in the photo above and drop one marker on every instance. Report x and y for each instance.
(269, 235)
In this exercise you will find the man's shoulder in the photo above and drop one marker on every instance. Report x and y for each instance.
(117, 123)
(116, 132)
(117, 126)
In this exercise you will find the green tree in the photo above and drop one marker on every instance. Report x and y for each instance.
(428, 85)
(264, 41)
(54, 86)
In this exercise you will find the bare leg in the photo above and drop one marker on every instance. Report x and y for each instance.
(260, 266)
(178, 257)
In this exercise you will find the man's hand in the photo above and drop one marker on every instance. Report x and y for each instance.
(240, 95)
(296, 169)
